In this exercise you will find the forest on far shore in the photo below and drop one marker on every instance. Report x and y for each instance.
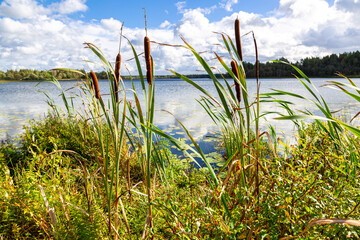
(347, 64)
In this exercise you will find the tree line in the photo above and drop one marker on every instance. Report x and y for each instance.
(346, 63)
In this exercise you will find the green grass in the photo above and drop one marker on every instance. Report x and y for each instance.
(310, 184)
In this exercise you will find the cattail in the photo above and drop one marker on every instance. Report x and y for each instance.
(117, 67)
(237, 85)
(238, 38)
(117, 76)
(148, 60)
(95, 84)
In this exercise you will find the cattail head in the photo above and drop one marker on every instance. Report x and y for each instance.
(117, 76)
(117, 67)
(148, 59)
(95, 84)
(237, 85)
(238, 38)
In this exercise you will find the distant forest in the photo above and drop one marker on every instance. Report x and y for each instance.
(346, 63)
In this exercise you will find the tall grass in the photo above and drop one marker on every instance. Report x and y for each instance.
(140, 120)
(239, 126)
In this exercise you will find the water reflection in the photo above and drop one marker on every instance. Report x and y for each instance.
(21, 101)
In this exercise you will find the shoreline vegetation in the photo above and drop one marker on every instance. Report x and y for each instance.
(347, 64)
(104, 170)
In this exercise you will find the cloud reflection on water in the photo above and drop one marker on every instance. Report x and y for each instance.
(22, 101)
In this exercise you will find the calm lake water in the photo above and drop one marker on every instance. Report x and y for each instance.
(21, 101)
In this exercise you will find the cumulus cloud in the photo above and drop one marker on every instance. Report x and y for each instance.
(227, 4)
(180, 6)
(297, 29)
(165, 24)
(348, 5)
(69, 6)
(21, 9)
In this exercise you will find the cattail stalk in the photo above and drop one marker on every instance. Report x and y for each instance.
(237, 85)
(238, 38)
(117, 68)
(95, 84)
(257, 121)
(148, 62)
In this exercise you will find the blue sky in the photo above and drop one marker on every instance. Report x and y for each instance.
(161, 10)
(44, 34)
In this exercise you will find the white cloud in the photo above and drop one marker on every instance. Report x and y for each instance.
(348, 5)
(19, 9)
(165, 24)
(69, 6)
(180, 6)
(227, 4)
(297, 29)
(111, 24)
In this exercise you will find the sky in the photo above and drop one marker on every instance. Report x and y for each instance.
(47, 34)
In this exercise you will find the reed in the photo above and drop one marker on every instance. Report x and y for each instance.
(140, 135)
(234, 69)
(238, 39)
(95, 84)
(117, 68)
(117, 76)
(148, 60)
(236, 126)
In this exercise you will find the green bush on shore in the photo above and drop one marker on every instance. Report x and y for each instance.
(312, 183)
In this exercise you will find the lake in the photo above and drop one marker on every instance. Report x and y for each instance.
(21, 101)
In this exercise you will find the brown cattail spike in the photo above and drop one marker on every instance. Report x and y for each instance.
(117, 67)
(238, 38)
(237, 85)
(148, 60)
(95, 84)
(117, 75)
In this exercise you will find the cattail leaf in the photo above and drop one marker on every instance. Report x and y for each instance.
(100, 55)
(227, 46)
(338, 84)
(236, 78)
(242, 71)
(280, 92)
(302, 117)
(138, 67)
(195, 85)
(299, 71)
(354, 96)
(202, 155)
(309, 89)
(208, 111)
(69, 70)
(352, 129)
